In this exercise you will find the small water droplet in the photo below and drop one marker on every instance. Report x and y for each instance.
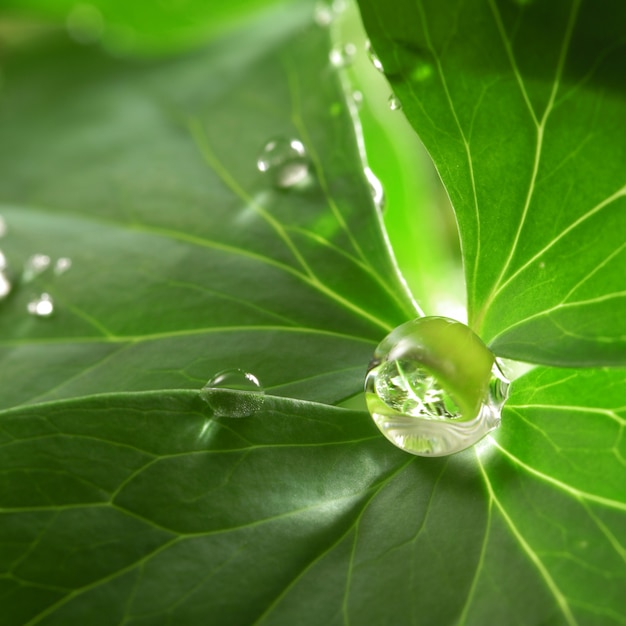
(542, 265)
(3, 227)
(62, 265)
(323, 14)
(376, 189)
(433, 388)
(357, 98)
(285, 161)
(339, 6)
(394, 103)
(34, 266)
(5, 285)
(42, 306)
(373, 57)
(3, 261)
(234, 393)
(342, 56)
(85, 24)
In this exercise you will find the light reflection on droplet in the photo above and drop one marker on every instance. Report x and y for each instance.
(376, 189)
(34, 266)
(323, 13)
(373, 57)
(234, 393)
(42, 306)
(357, 98)
(62, 265)
(342, 56)
(5, 285)
(394, 103)
(285, 161)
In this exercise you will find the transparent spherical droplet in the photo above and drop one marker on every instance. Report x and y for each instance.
(42, 306)
(62, 265)
(433, 388)
(34, 266)
(323, 13)
(234, 393)
(342, 56)
(5, 285)
(376, 189)
(394, 103)
(3, 227)
(373, 57)
(285, 161)
(85, 24)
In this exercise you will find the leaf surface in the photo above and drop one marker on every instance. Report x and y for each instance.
(521, 104)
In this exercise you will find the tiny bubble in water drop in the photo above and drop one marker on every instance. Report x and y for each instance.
(62, 265)
(42, 306)
(285, 161)
(373, 57)
(84, 24)
(394, 103)
(34, 266)
(342, 56)
(234, 393)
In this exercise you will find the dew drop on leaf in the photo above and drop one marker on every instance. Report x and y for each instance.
(285, 161)
(35, 265)
(376, 189)
(5, 284)
(342, 56)
(234, 393)
(357, 98)
(62, 265)
(323, 13)
(394, 103)
(433, 388)
(42, 306)
(373, 57)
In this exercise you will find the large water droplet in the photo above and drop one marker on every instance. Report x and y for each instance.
(34, 266)
(394, 103)
(42, 306)
(285, 161)
(433, 388)
(62, 265)
(342, 56)
(373, 57)
(234, 393)
(5, 285)
(85, 24)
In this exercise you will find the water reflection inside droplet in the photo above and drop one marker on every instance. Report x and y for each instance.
(234, 393)
(430, 404)
(42, 306)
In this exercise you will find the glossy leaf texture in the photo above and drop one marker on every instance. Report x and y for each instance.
(185, 258)
(521, 106)
(144, 509)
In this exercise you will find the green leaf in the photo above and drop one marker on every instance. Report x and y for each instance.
(143, 508)
(521, 106)
(185, 259)
(139, 27)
